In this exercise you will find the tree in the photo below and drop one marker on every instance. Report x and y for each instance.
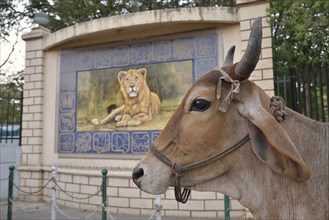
(300, 31)
(10, 100)
(300, 39)
(17, 15)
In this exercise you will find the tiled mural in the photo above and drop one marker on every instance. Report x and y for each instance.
(200, 48)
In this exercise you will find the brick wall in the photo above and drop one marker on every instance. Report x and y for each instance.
(123, 196)
(32, 120)
(263, 74)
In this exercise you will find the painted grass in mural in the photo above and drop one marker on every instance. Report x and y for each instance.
(131, 98)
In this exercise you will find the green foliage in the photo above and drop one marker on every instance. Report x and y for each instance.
(13, 15)
(300, 39)
(64, 13)
(10, 100)
(300, 32)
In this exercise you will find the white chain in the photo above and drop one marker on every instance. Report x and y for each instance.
(150, 218)
(88, 216)
(72, 217)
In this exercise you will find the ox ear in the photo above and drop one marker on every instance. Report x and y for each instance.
(273, 146)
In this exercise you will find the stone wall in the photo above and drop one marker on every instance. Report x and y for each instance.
(263, 74)
(32, 119)
(125, 197)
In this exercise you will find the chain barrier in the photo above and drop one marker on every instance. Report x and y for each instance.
(151, 217)
(108, 213)
(32, 193)
(78, 198)
(88, 216)
(55, 208)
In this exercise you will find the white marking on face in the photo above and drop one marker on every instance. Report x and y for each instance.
(156, 178)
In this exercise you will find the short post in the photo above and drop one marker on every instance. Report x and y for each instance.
(104, 194)
(53, 196)
(227, 207)
(10, 192)
(158, 207)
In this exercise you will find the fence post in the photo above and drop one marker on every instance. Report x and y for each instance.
(104, 194)
(53, 196)
(227, 207)
(10, 192)
(158, 207)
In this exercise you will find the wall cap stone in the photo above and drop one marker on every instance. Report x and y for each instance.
(120, 23)
(38, 32)
(242, 2)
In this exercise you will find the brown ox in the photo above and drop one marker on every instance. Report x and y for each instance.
(279, 171)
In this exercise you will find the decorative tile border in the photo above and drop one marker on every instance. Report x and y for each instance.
(201, 48)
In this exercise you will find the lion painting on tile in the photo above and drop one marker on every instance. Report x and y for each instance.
(140, 104)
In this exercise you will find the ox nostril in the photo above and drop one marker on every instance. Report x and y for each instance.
(138, 172)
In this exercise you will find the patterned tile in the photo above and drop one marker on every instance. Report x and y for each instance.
(140, 53)
(140, 142)
(67, 122)
(203, 66)
(85, 60)
(83, 142)
(101, 142)
(120, 142)
(67, 102)
(162, 51)
(183, 49)
(206, 46)
(66, 143)
(103, 58)
(68, 61)
(121, 56)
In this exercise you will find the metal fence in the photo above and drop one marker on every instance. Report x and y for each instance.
(11, 101)
(306, 90)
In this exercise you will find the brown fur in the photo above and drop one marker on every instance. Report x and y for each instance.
(282, 173)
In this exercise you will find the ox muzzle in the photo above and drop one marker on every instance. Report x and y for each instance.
(178, 170)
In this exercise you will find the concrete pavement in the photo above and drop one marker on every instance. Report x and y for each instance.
(42, 211)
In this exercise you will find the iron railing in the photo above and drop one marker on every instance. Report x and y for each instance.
(306, 90)
(11, 102)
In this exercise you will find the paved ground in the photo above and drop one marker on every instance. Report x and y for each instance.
(43, 211)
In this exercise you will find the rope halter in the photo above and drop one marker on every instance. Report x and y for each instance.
(235, 89)
(178, 170)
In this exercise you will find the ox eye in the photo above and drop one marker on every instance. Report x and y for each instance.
(200, 105)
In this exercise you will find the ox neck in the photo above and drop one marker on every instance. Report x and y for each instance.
(277, 107)
(178, 170)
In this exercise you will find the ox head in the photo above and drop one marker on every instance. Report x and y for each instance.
(218, 111)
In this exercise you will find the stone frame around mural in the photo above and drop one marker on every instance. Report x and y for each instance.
(201, 48)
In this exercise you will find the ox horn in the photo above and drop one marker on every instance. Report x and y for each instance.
(229, 57)
(250, 58)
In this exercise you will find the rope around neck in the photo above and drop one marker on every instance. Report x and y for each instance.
(178, 170)
(276, 109)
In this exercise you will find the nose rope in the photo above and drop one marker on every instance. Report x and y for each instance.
(178, 170)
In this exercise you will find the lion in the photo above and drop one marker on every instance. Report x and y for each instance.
(140, 104)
